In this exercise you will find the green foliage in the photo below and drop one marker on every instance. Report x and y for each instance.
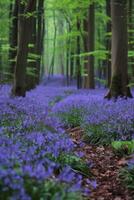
(99, 54)
(5, 47)
(76, 163)
(130, 54)
(30, 14)
(101, 81)
(123, 147)
(95, 135)
(72, 118)
(102, 16)
(67, 14)
(127, 177)
(50, 190)
(33, 56)
(130, 85)
(31, 71)
(55, 100)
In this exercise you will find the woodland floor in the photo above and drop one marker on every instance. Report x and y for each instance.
(105, 169)
(104, 164)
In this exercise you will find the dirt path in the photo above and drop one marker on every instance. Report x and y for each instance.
(105, 168)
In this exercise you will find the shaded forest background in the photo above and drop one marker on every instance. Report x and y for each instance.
(39, 39)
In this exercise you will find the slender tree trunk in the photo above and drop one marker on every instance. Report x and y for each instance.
(91, 32)
(131, 35)
(31, 67)
(71, 64)
(47, 47)
(89, 47)
(40, 38)
(67, 67)
(61, 45)
(71, 53)
(51, 68)
(86, 60)
(42, 45)
(19, 87)
(108, 43)
(100, 63)
(13, 35)
(78, 64)
(68, 54)
(119, 80)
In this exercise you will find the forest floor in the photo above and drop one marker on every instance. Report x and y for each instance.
(32, 123)
(105, 168)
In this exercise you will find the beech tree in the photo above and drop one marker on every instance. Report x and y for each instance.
(108, 42)
(31, 67)
(78, 64)
(131, 36)
(13, 34)
(119, 81)
(64, 47)
(89, 26)
(19, 86)
(36, 47)
(40, 38)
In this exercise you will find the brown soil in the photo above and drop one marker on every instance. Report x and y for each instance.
(106, 166)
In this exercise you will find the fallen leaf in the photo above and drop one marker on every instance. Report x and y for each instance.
(122, 162)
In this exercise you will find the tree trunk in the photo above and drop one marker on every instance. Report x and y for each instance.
(78, 64)
(86, 60)
(89, 47)
(61, 45)
(71, 64)
(42, 64)
(119, 80)
(31, 68)
(19, 87)
(13, 35)
(51, 68)
(68, 55)
(67, 67)
(131, 36)
(108, 42)
(40, 38)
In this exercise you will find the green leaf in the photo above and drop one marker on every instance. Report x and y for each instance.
(123, 147)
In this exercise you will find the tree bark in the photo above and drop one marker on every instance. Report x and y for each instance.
(119, 82)
(86, 60)
(68, 54)
(51, 67)
(108, 42)
(78, 64)
(13, 35)
(40, 38)
(19, 86)
(31, 68)
(131, 35)
(89, 47)
(61, 45)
